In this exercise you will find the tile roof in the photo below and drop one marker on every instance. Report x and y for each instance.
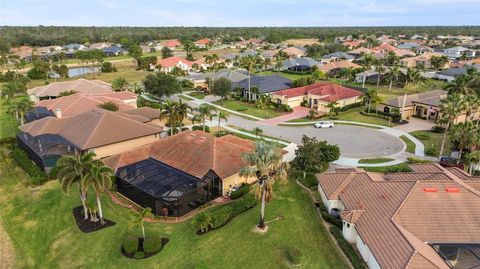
(430, 98)
(338, 64)
(80, 85)
(330, 91)
(338, 55)
(265, 84)
(93, 128)
(172, 43)
(293, 51)
(302, 61)
(397, 218)
(144, 112)
(173, 61)
(193, 152)
(78, 103)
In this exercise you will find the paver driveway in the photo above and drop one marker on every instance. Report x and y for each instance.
(297, 113)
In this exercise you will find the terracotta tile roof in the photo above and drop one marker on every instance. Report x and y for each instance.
(193, 152)
(145, 112)
(385, 48)
(203, 41)
(338, 64)
(360, 51)
(292, 51)
(80, 85)
(399, 216)
(172, 43)
(92, 129)
(173, 61)
(78, 103)
(329, 91)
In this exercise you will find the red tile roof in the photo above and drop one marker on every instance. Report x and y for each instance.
(330, 91)
(173, 61)
(172, 43)
(203, 41)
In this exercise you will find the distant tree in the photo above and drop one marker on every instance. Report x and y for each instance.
(222, 116)
(392, 75)
(108, 67)
(371, 97)
(222, 87)
(166, 52)
(135, 52)
(461, 84)
(332, 108)
(119, 84)
(161, 85)
(205, 112)
(189, 48)
(111, 106)
(450, 108)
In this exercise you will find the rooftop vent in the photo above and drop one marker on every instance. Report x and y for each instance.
(430, 189)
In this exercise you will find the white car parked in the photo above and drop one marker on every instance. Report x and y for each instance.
(324, 124)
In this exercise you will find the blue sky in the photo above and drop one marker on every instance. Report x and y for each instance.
(239, 12)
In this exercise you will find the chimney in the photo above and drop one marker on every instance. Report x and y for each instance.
(58, 113)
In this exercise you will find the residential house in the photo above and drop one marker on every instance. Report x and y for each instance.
(114, 50)
(143, 114)
(317, 96)
(358, 52)
(423, 59)
(22, 51)
(386, 48)
(451, 73)
(384, 39)
(99, 46)
(263, 84)
(168, 64)
(294, 52)
(78, 103)
(172, 44)
(146, 48)
(416, 220)
(333, 67)
(299, 64)
(74, 47)
(408, 46)
(336, 56)
(203, 43)
(178, 174)
(54, 89)
(200, 79)
(100, 131)
(370, 75)
(351, 44)
(270, 54)
(49, 49)
(458, 52)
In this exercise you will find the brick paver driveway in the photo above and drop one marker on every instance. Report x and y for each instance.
(297, 113)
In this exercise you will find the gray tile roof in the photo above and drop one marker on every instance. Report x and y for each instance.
(303, 61)
(430, 98)
(453, 72)
(265, 84)
(338, 54)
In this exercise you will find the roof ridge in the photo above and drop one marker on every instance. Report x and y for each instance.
(344, 183)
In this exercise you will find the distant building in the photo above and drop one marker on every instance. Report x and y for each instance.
(458, 52)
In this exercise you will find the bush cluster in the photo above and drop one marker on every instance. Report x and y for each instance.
(334, 221)
(347, 248)
(431, 151)
(438, 129)
(37, 176)
(350, 106)
(417, 160)
(200, 128)
(152, 244)
(244, 189)
(295, 256)
(108, 67)
(310, 180)
(130, 244)
(375, 115)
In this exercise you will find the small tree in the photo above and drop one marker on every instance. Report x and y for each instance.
(135, 52)
(258, 131)
(119, 84)
(139, 218)
(202, 221)
(166, 52)
(221, 87)
(312, 154)
(161, 85)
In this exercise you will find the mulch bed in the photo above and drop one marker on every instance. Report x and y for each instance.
(87, 226)
(140, 248)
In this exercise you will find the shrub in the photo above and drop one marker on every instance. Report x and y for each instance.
(107, 67)
(331, 219)
(347, 248)
(351, 106)
(152, 244)
(422, 136)
(199, 127)
(310, 181)
(431, 151)
(240, 109)
(295, 256)
(244, 189)
(438, 129)
(417, 160)
(241, 205)
(130, 244)
(221, 216)
(202, 221)
(37, 176)
(375, 115)
(139, 255)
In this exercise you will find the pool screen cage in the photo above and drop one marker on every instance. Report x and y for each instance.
(164, 189)
(459, 256)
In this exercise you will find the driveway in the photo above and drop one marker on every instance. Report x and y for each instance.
(415, 124)
(297, 113)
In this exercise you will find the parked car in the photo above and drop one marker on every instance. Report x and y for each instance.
(324, 124)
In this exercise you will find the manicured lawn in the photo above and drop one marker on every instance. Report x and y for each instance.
(409, 143)
(352, 115)
(198, 95)
(287, 75)
(44, 234)
(8, 126)
(403, 167)
(375, 160)
(248, 108)
(433, 140)
(252, 132)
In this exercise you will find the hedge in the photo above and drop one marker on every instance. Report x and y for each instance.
(334, 221)
(152, 244)
(200, 128)
(130, 244)
(347, 248)
(244, 189)
(37, 176)
(375, 115)
(351, 106)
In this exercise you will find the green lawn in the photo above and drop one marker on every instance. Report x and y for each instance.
(352, 115)
(9, 125)
(403, 167)
(375, 160)
(198, 95)
(433, 140)
(261, 135)
(287, 75)
(410, 145)
(248, 108)
(44, 234)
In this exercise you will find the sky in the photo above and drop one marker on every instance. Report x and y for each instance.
(255, 13)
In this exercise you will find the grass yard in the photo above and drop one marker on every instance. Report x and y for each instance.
(283, 74)
(403, 167)
(248, 108)
(410, 145)
(44, 234)
(261, 135)
(8, 124)
(374, 160)
(432, 142)
(198, 95)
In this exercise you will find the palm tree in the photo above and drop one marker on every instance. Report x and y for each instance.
(370, 97)
(367, 60)
(75, 169)
(169, 109)
(472, 103)
(332, 106)
(410, 76)
(9, 90)
(258, 131)
(203, 221)
(181, 113)
(392, 75)
(473, 159)
(139, 218)
(205, 112)
(380, 69)
(101, 180)
(466, 136)
(450, 108)
(461, 85)
(222, 116)
(22, 106)
(265, 163)
(248, 63)
(189, 48)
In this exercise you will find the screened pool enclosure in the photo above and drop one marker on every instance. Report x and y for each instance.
(166, 190)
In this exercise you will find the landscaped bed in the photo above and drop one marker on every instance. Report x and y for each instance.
(249, 108)
(141, 248)
(86, 225)
(403, 167)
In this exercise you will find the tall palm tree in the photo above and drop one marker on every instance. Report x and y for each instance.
(370, 97)
(450, 108)
(76, 169)
(222, 116)
(101, 180)
(205, 112)
(473, 159)
(169, 109)
(367, 62)
(331, 107)
(22, 106)
(265, 163)
(139, 218)
(380, 70)
(461, 85)
(472, 104)
(182, 110)
(248, 63)
(393, 74)
(466, 135)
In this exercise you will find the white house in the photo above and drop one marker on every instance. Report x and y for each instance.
(457, 52)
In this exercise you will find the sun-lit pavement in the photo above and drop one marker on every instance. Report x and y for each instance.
(415, 124)
(297, 113)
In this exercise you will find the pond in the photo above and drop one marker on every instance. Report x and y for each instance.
(80, 71)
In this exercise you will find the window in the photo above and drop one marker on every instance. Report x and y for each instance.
(348, 225)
